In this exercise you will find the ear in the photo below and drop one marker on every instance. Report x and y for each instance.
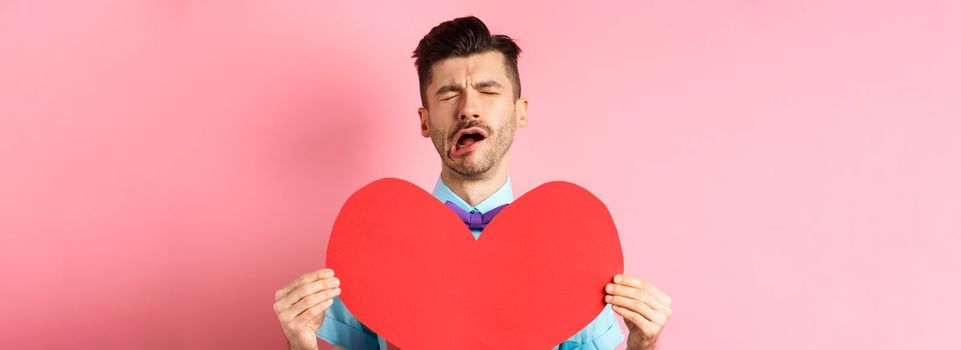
(520, 110)
(424, 121)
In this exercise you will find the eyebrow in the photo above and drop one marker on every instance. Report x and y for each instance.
(478, 85)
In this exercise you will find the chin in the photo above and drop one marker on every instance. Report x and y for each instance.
(473, 171)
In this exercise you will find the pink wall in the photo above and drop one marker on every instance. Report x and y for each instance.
(788, 173)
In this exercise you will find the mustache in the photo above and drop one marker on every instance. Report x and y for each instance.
(471, 124)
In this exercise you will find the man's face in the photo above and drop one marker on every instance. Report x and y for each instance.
(472, 115)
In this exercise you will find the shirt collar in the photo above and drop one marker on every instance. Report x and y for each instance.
(503, 195)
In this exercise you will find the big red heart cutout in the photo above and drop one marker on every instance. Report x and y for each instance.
(411, 271)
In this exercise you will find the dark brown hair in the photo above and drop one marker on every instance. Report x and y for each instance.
(462, 37)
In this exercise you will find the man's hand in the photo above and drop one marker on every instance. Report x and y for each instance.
(301, 304)
(645, 309)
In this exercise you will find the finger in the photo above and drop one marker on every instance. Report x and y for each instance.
(307, 302)
(622, 290)
(648, 328)
(307, 289)
(638, 283)
(312, 316)
(638, 306)
(634, 293)
(307, 277)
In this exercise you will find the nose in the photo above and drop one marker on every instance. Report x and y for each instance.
(469, 106)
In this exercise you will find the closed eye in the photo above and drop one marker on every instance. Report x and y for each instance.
(483, 92)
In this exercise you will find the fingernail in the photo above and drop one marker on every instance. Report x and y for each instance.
(336, 282)
(608, 298)
(610, 288)
(336, 290)
(617, 278)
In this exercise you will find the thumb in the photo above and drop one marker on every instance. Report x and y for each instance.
(315, 323)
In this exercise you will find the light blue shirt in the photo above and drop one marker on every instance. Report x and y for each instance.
(341, 328)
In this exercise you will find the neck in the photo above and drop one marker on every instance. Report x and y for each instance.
(476, 189)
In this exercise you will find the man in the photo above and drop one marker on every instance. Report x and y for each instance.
(471, 108)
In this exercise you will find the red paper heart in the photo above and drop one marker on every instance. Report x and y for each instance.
(412, 272)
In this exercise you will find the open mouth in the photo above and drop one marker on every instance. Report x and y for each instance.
(467, 140)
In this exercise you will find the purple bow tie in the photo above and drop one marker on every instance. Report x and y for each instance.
(474, 220)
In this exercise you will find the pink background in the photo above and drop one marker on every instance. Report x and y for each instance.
(789, 172)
